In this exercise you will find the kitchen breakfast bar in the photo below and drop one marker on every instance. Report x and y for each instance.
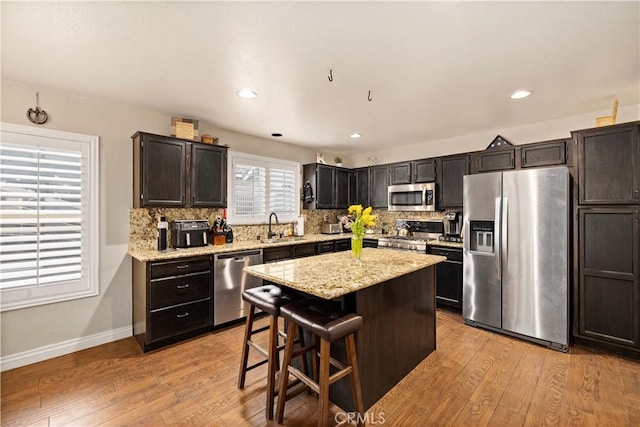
(394, 292)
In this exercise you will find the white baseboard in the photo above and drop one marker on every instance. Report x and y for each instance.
(59, 349)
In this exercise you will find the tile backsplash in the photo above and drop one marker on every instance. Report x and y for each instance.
(143, 222)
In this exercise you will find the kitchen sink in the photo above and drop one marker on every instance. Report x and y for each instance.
(282, 239)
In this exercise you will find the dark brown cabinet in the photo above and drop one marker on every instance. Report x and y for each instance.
(379, 183)
(330, 186)
(609, 292)
(549, 153)
(607, 238)
(172, 300)
(608, 165)
(359, 187)
(495, 160)
(400, 173)
(412, 172)
(172, 172)
(451, 169)
(449, 277)
(424, 170)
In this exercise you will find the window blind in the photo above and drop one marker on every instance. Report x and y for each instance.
(48, 216)
(40, 216)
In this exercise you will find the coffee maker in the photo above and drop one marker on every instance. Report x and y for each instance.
(452, 226)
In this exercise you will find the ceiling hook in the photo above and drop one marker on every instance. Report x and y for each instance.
(369, 97)
(330, 75)
(37, 116)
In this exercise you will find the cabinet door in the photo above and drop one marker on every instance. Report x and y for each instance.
(359, 187)
(608, 162)
(424, 170)
(325, 187)
(163, 171)
(342, 188)
(451, 170)
(544, 154)
(208, 176)
(491, 161)
(608, 291)
(400, 173)
(379, 184)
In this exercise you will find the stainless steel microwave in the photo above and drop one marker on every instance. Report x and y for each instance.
(412, 197)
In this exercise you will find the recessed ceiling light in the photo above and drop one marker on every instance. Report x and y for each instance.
(277, 135)
(247, 93)
(520, 94)
(355, 135)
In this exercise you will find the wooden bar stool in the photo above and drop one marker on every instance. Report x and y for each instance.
(268, 298)
(326, 322)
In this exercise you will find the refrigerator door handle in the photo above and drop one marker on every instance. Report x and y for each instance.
(497, 231)
(503, 227)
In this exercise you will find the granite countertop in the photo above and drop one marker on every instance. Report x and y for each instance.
(334, 275)
(155, 255)
(445, 244)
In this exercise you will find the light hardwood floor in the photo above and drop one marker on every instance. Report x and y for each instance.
(474, 378)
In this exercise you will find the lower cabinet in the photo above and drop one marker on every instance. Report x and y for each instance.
(608, 290)
(449, 278)
(172, 300)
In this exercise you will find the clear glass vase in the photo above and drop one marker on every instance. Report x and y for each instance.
(356, 248)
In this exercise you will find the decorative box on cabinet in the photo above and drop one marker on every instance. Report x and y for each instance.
(172, 172)
(172, 300)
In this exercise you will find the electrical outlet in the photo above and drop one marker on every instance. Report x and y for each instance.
(325, 218)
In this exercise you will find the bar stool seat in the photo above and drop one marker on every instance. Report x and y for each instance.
(328, 323)
(268, 298)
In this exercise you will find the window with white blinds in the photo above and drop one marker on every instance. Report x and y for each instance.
(260, 185)
(48, 216)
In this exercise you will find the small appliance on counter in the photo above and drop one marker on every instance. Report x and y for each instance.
(298, 226)
(189, 233)
(331, 228)
(452, 227)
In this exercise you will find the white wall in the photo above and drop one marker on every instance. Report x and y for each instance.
(517, 135)
(31, 334)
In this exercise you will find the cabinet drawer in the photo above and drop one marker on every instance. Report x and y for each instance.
(277, 254)
(343, 245)
(184, 266)
(308, 249)
(451, 254)
(182, 318)
(180, 289)
(326, 247)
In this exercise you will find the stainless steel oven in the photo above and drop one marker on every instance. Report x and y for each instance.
(412, 197)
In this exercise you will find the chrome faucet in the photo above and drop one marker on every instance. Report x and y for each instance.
(270, 234)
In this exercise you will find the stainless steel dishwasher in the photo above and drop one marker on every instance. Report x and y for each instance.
(229, 281)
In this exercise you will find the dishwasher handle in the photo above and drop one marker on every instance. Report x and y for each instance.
(235, 255)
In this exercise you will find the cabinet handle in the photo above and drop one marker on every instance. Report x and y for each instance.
(180, 316)
(636, 197)
(182, 267)
(193, 199)
(185, 286)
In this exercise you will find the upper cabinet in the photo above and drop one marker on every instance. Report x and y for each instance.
(412, 172)
(495, 160)
(359, 187)
(379, 183)
(172, 172)
(451, 169)
(608, 165)
(548, 153)
(330, 185)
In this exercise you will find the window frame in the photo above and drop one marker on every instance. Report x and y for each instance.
(31, 296)
(233, 218)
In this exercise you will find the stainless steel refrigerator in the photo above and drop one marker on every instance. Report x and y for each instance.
(516, 254)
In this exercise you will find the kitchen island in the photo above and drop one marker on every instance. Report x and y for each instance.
(393, 291)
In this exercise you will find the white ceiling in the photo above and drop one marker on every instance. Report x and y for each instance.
(434, 69)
